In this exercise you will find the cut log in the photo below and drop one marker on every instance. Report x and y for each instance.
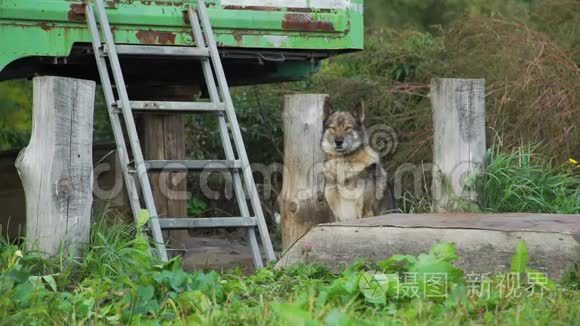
(56, 168)
(458, 140)
(485, 242)
(301, 201)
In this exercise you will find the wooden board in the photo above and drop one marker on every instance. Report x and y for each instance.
(485, 242)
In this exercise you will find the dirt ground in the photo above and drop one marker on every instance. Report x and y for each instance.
(217, 251)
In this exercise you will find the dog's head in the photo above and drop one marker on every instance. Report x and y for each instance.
(343, 131)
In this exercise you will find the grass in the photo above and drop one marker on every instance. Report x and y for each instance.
(524, 180)
(117, 282)
(519, 180)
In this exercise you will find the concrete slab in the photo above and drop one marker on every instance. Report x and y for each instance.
(485, 242)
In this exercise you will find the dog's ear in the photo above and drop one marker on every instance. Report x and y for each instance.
(328, 109)
(359, 111)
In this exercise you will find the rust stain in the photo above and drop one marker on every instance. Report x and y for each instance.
(270, 8)
(156, 37)
(45, 26)
(239, 37)
(112, 3)
(309, 10)
(76, 12)
(256, 8)
(168, 3)
(305, 22)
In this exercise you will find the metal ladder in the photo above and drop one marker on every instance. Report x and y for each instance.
(220, 104)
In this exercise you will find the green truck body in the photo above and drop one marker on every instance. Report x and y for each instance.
(259, 40)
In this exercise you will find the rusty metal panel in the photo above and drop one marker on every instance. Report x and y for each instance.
(51, 27)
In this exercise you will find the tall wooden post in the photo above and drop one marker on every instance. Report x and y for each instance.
(459, 140)
(163, 138)
(56, 167)
(302, 203)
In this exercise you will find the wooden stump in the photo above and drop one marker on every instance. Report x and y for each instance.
(56, 167)
(302, 204)
(458, 140)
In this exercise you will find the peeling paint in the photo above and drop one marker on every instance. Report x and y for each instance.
(357, 8)
(45, 26)
(156, 37)
(317, 4)
(276, 40)
(305, 22)
(256, 8)
(239, 37)
(76, 12)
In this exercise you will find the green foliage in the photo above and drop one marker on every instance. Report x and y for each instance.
(520, 258)
(15, 114)
(524, 180)
(196, 207)
(117, 282)
(424, 14)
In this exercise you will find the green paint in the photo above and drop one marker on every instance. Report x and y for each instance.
(44, 27)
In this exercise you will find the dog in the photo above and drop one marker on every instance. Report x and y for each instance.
(356, 185)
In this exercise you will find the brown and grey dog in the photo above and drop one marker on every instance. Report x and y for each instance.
(356, 185)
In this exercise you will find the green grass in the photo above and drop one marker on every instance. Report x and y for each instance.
(519, 180)
(117, 282)
(524, 180)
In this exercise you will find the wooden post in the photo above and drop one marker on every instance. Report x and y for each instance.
(302, 204)
(56, 167)
(163, 137)
(459, 140)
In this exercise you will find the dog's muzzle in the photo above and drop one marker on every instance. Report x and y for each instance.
(338, 142)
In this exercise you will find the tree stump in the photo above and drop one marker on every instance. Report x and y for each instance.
(458, 140)
(56, 167)
(302, 203)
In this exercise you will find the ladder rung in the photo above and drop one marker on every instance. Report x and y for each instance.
(210, 222)
(156, 106)
(186, 165)
(157, 50)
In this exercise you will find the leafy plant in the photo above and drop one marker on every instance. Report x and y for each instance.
(118, 282)
(196, 207)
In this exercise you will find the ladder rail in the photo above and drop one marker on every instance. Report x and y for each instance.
(221, 104)
(131, 130)
(122, 151)
(225, 137)
(236, 132)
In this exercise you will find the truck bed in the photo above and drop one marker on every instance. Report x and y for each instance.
(259, 40)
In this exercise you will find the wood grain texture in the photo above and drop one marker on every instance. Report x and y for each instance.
(302, 203)
(56, 168)
(458, 139)
(485, 247)
(163, 138)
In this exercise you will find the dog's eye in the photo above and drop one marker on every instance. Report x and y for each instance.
(332, 128)
(348, 128)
